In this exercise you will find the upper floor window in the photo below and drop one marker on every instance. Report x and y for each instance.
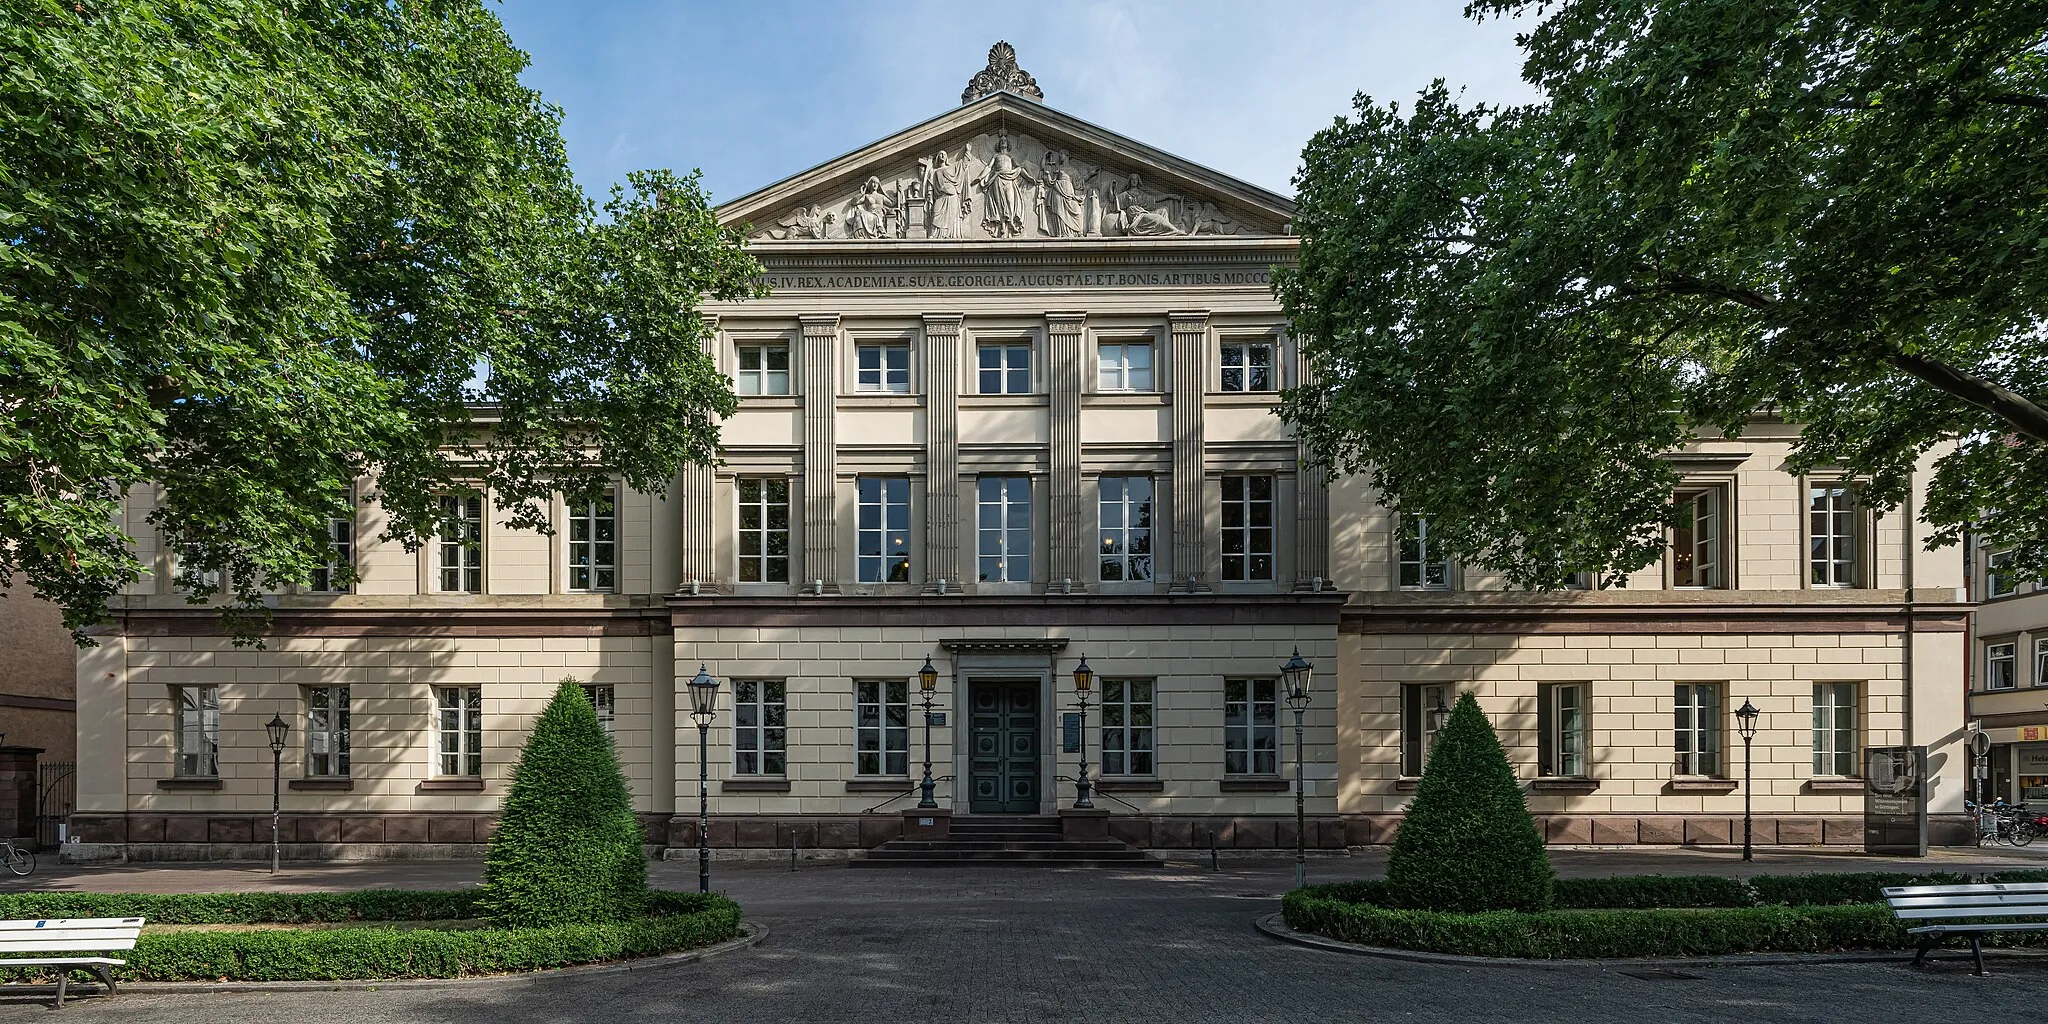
(881, 727)
(1832, 534)
(1248, 366)
(461, 547)
(1422, 566)
(764, 529)
(883, 368)
(1698, 541)
(2001, 665)
(1124, 528)
(1561, 729)
(332, 576)
(1003, 528)
(1423, 706)
(1835, 729)
(195, 730)
(183, 557)
(593, 544)
(2041, 661)
(1247, 528)
(602, 700)
(1696, 729)
(762, 370)
(760, 725)
(1005, 369)
(459, 731)
(327, 731)
(1127, 727)
(884, 529)
(1998, 581)
(1251, 728)
(1124, 366)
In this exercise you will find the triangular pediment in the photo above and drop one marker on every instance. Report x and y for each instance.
(1004, 168)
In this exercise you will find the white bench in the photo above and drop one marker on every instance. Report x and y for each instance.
(1970, 910)
(82, 935)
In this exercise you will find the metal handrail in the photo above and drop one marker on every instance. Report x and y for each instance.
(914, 787)
(1100, 793)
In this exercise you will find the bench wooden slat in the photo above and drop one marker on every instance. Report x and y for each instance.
(35, 939)
(1969, 913)
(51, 961)
(1966, 890)
(1987, 899)
(66, 946)
(1989, 926)
(72, 922)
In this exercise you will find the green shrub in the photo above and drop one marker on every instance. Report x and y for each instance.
(2022, 875)
(1844, 887)
(245, 907)
(568, 846)
(1468, 842)
(1648, 892)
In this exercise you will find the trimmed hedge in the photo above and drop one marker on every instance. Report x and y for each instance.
(1468, 842)
(246, 907)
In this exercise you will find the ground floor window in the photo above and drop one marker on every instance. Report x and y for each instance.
(760, 721)
(881, 727)
(459, 726)
(1561, 729)
(196, 731)
(1251, 728)
(601, 701)
(1127, 727)
(327, 730)
(1419, 723)
(1834, 729)
(1696, 729)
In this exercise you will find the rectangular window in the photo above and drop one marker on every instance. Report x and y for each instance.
(601, 698)
(884, 529)
(1834, 729)
(459, 731)
(764, 530)
(1422, 567)
(2002, 665)
(2041, 662)
(883, 368)
(1247, 528)
(763, 370)
(881, 727)
(1127, 727)
(183, 556)
(1998, 582)
(332, 578)
(461, 547)
(1005, 369)
(1124, 525)
(1124, 366)
(1696, 725)
(1697, 542)
(1419, 701)
(594, 544)
(1832, 524)
(1251, 728)
(195, 730)
(1004, 528)
(759, 727)
(1248, 366)
(1561, 729)
(327, 731)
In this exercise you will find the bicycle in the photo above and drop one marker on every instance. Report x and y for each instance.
(19, 861)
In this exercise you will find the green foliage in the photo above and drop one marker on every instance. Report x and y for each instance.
(1648, 892)
(1825, 211)
(568, 846)
(1467, 842)
(1666, 892)
(245, 907)
(256, 250)
(1844, 887)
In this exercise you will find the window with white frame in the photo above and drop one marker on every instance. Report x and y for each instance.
(1251, 728)
(762, 370)
(1248, 366)
(1124, 527)
(1561, 730)
(1832, 535)
(1248, 528)
(594, 544)
(1998, 580)
(760, 726)
(764, 529)
(1419, 723)
(183, 556)
(1422, 566)
(1127, 727)
(1003, 526)
(1835, 730)
(332, 576)
(602, 701)
(882, 368)
(2041, 661)
(881, 727)
(195, 731)
(459, 731)
(1004, 369)
(1696, 729)
(883, 529)
(2002, 665)
(1698, 541)
(327, 731)
(1123, 366)
(460, 551)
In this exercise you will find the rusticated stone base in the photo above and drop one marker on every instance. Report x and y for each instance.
(1686, 830)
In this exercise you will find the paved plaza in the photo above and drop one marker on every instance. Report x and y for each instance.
(1172, 944)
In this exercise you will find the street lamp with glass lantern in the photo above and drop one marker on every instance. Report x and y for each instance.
(1084, 681)
(278, 729)
(928, 682)
(1745, 723)
(1296, 676)
(703, 705)
(1439, 717)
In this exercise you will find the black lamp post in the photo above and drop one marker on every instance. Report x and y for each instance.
(703, 705)
(1295, 675)
(278, 729)
(928, 681)
(1084, 681)
(1745, 723)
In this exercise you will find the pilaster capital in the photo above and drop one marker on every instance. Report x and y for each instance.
(1066, 322)
(819, 325)
(943, 324)
(1187, 321)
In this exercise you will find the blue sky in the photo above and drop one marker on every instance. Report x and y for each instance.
(754, 92)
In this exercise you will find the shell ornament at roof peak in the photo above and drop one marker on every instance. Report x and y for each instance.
(1002, 75)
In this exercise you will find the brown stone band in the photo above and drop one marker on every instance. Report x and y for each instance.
(15, 700)
(443, 622)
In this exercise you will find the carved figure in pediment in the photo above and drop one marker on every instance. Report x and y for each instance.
(1092, 220)
(942, 184)
(1211, 221)
(1061, 204)
(1003, 186)
(871, 212)
(1139, 220)
(803, 222)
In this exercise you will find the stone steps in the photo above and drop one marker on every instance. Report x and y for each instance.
(994, 840)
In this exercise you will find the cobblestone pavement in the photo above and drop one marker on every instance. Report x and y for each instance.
(1000, 945)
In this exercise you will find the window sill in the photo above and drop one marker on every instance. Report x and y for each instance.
(883, 399)
(1140, 398)
(334, 785)
(771, 402)
(1249, 784)
(1129, 785)
(994, 401)
(1703, 784)
(1554, 784)
(1834, 785)
(451, 785)
(1243, 397)
(1407, 783)
(877, 785)
(188, 783)
(754, 786)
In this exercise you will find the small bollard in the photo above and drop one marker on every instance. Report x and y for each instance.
(792, 849)
(1215, 861)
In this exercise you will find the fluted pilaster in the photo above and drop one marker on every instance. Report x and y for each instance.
(820, 468)
(1067, 365)
(941, 372)
(1191, 529)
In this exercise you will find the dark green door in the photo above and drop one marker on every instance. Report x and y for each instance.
(1002, 762)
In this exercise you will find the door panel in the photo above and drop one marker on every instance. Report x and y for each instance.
(1003, 747)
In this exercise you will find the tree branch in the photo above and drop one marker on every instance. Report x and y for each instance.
(2018, 99)
(2025, 416)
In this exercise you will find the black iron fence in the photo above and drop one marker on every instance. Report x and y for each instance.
(56, 792)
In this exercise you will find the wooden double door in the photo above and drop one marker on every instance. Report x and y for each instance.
(1003, 746)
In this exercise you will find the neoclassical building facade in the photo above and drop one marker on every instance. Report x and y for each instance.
(1010, 405)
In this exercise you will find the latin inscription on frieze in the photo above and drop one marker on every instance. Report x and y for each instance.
(1261, 277)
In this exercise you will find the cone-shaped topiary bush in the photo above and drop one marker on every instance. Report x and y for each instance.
(1468, 842)
(568, 847)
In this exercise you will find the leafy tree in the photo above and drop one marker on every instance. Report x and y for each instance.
(1468, 843)
(568, 846)
(256, 249)
(1826, 212)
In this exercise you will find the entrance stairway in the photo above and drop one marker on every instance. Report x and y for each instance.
(1004, 840)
